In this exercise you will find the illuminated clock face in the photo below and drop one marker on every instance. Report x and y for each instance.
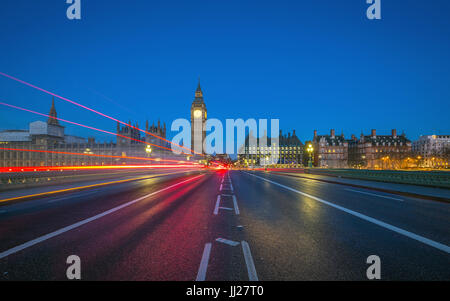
(197, 113)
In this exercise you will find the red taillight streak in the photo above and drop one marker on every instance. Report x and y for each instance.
(89, 155)
(61, 168)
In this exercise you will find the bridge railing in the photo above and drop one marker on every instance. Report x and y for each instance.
(425, 178)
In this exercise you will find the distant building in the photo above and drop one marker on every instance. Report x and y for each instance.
(330, 151)
(39, 132)
(128, 134)
(288, 151)
(431, 149)
(378, 151)
(159, 131)
(222, 158)
(291, 149)
(131, 135)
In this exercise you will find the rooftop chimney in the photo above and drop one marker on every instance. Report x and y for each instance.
(315, 133)
(374, 133)
(332, 133)
(394, 133)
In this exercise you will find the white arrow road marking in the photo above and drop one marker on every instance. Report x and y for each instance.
(227, 241)
(201, 274)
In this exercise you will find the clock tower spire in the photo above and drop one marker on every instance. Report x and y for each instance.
(198, 121)
(198, 92)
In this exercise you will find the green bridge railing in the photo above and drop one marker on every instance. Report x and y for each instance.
(425, 178)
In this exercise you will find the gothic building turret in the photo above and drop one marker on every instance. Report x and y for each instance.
(128, 131)
(52, 115)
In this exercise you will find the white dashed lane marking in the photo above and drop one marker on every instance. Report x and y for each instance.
(216, 208)
(236, 208)
(251, 270)
(201, 274)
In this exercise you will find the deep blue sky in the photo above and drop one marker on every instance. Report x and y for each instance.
(312, 64)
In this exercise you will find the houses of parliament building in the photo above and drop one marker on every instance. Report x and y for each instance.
(46, 144)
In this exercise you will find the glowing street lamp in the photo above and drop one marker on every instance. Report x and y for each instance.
(310, 150)
(148, 149)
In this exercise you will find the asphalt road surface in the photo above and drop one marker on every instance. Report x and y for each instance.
(225, 225)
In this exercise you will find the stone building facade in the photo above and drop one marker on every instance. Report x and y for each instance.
(330, 151)
(369, 151)
(378, 151)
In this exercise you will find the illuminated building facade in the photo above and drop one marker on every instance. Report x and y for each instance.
(288, 152)
(432, 150)
(330, 151)
(198, 121)
(378, 151)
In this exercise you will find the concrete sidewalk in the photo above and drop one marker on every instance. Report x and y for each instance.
(423, 192)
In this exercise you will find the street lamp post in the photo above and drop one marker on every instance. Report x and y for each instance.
(148, 150)
(310, 150)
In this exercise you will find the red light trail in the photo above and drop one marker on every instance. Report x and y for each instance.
(85, 126)
(85, 187)
(61, 168)
(89, 155)
(92, 110)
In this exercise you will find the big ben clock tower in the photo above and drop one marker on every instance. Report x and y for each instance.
(198, 121)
